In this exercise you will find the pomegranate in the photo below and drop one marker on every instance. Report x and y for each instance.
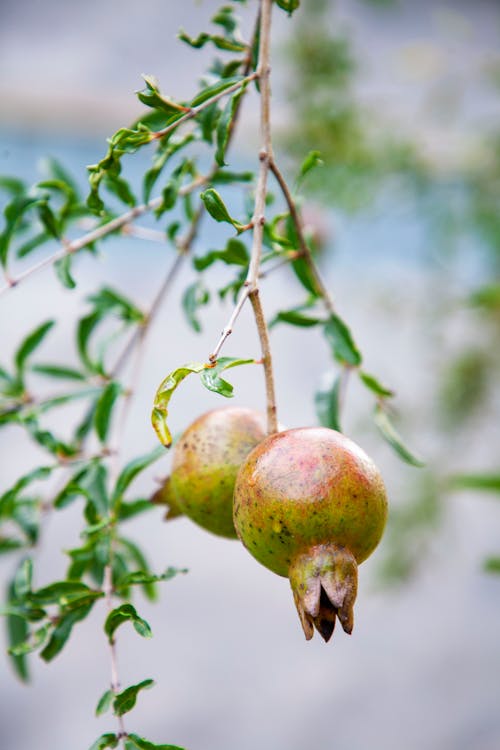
(310, 505)
(206, 460)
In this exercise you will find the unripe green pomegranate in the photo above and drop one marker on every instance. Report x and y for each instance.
(310, 505)
(205, 463)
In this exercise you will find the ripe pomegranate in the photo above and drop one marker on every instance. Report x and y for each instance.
(205, 463)
(310, 505)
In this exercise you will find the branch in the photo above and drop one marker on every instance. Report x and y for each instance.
(73, 246)
(299, 228)
(250, 288)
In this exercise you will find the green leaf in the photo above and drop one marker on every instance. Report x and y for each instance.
(17, 632)
(48, 219)
(390, 434)
(216, 88)
(124, 613)
(30, 343)
(104, 409)
(104, 741)
(59, 175)
(328, 406)
(483, 482)
(89, 482)
(166, 149)
(235, 253)
(63, 593)
(340, 339)
(32, 643)
(289, 5)
(224, 125)
(312, 160)
(27, 247)
(295, 318)
(132, 469)
(211, 379)
(13, 213)
(104, 703)
(134, 508)
(217, 209)
(225, 177)
(152, 97)
(195, 296)
(109, 300)
(141, 577)
(12, 185)
(162, 398)
(21, 585)
(62, 267)
(126, 700)
(220, 42)
(375, 385)
(142, 744)
(59, 372)
(8, 498)
(127, 140)
(492, 565)
(62, 631)
(304, 275)
(9, 544)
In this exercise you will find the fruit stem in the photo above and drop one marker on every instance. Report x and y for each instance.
(272, 416)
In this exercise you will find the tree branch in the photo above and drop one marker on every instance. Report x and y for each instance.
(250, 288)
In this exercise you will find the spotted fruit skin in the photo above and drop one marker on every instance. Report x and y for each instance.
(206, 460)
(310, 505)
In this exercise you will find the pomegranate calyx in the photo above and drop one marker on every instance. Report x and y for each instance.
(324, 582)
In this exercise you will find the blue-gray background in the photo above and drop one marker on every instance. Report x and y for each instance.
(232, 669)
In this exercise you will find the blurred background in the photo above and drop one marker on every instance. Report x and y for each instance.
(402, 100)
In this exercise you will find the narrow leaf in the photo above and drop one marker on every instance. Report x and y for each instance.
(124, 613)
(210, 377)
(104, 409)
(132, 469)
(481, 482)
(390, 434)
(142, 744)
(492, 565)
(126, 700)
(162, 398)
(375, 385)
(30, 343)
(224, 126)
(328, 406)
(217, 208)
(104, 702)
(62, 631)
(340, 338)
(104, 741)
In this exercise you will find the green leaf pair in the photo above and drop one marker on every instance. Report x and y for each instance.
(210, 377)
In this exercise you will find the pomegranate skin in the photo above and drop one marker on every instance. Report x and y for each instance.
(310, 505)
(206, 460)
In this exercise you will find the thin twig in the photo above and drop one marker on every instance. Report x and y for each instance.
(260, 320)
(73, 246)
(250, 288)
(299, 228)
